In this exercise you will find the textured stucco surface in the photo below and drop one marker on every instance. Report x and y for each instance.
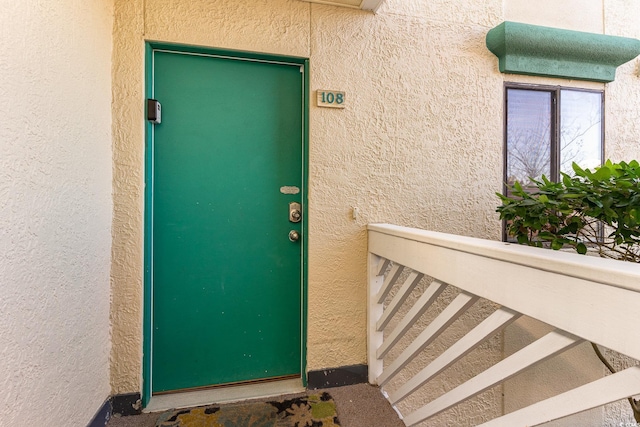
(128, 198)
(55, 210)
(419, 143)
(577, 15)
(273, 26)
(394, 151)
(622, 126)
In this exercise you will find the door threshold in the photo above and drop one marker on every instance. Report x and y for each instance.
(224, 395)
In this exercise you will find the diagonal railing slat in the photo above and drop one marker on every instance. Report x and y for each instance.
(418, 309)
(597, 393)
(381, 266)
(540, 350)
(398, 299)
(487, 328)
(449, 315)
(529, 280)
(389, 281)
(584, 298)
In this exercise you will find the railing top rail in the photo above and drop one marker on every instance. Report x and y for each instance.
(610, 272)
(582, 297)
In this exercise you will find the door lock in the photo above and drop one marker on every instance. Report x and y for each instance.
(294, 236)
(295, 212)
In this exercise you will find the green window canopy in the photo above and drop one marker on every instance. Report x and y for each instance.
(553, 52)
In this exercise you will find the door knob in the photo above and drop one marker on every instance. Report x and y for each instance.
(294, 236)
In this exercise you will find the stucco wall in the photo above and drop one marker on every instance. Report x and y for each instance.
(622, 18)
(55, 210)
(408, 132)
(419, 144)
(409, 149)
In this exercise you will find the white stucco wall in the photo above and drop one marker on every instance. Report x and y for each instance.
(419, 144)
(55, 210)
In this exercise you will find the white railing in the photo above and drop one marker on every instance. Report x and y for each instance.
(584, 298)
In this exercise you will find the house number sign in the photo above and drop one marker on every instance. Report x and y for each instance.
(331, 99)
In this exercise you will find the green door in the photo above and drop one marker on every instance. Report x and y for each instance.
(226, 277)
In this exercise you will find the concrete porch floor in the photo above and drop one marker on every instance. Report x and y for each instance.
(360, 405)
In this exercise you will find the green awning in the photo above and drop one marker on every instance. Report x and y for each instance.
(553, 52)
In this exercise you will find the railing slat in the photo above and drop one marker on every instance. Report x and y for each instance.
(419, 308)
(585, 296)
(557, 288)
(381, 266)
(458, 306)
(399, 298)
(548, 346)
(389, 281)
(597, 393)
(487, 328)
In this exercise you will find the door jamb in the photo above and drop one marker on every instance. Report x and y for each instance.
(148, 196)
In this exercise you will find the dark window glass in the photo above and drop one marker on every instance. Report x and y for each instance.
(547, 129)
(528, 135)
(580, 129)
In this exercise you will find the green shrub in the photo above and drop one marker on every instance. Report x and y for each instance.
(598, 211)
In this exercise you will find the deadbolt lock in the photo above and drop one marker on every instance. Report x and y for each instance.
(295, 212)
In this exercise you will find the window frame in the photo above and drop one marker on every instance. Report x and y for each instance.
(556, 118)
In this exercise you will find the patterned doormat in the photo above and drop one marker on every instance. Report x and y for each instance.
(309, 411)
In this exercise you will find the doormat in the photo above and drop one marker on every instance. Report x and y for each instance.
(318, 410)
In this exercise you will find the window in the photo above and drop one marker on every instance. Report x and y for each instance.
(549, 128)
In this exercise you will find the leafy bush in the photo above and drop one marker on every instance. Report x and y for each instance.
(598, 211)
